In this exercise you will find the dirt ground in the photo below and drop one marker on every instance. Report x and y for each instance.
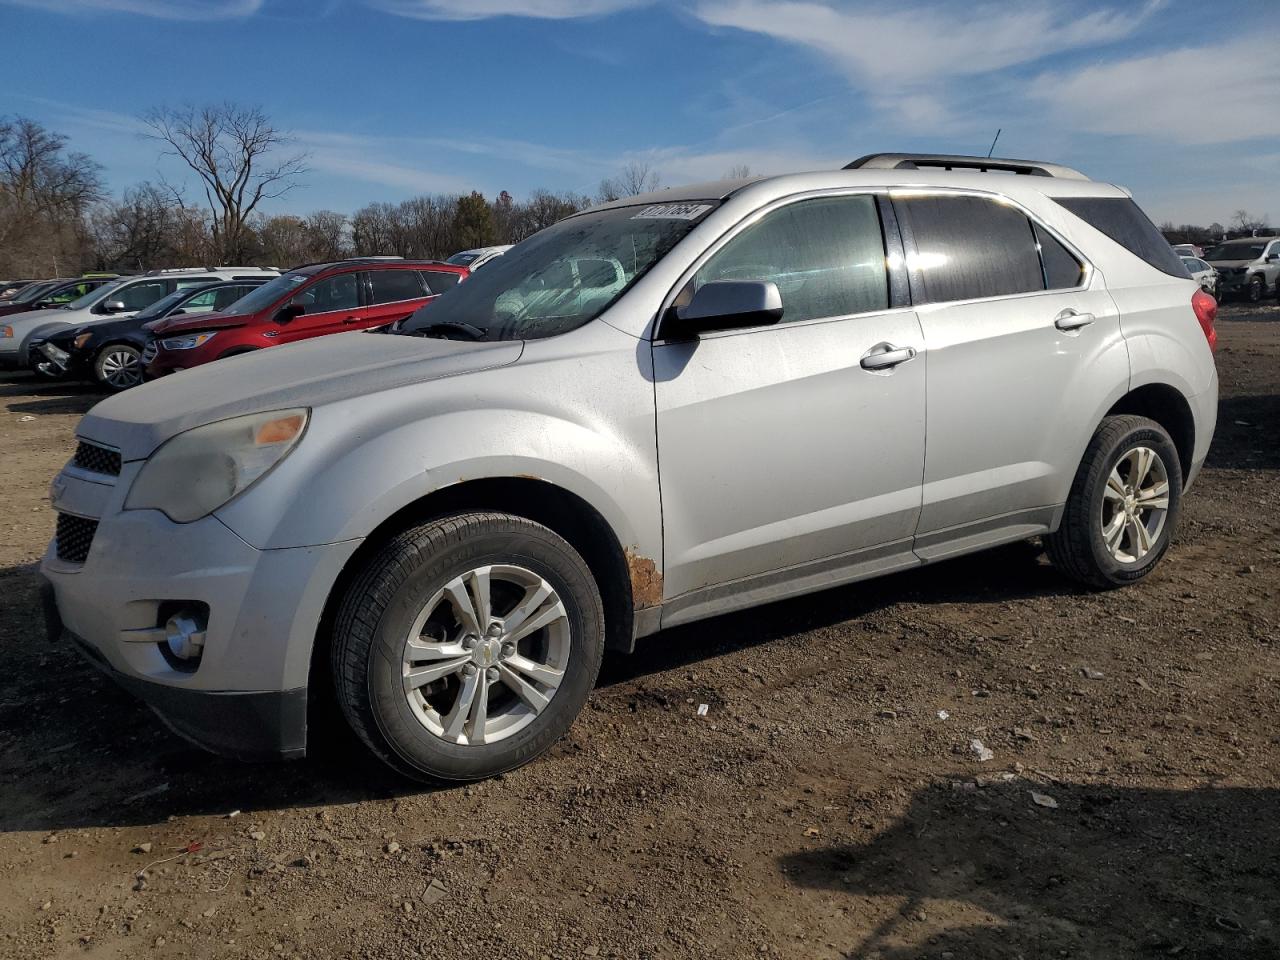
(823, 807)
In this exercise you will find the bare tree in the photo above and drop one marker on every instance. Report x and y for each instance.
(147, 229)
(235, 151)
(637, 177)
(1246, 222)
(739, 171)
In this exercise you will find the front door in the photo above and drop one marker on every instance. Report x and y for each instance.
(330, 305)
(788, 451)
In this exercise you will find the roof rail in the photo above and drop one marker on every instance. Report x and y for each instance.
(943, 161)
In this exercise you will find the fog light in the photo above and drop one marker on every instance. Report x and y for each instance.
(184, 636)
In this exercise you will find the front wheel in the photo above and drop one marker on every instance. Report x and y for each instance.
(1123, 507)
(466, 646)
(118, 366)
(1257, 289)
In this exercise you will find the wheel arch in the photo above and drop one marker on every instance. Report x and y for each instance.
(1167, 406)
(619, 573)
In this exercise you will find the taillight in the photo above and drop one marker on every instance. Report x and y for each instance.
(1206, 309)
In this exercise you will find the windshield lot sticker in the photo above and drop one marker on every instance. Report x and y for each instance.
(673, 211)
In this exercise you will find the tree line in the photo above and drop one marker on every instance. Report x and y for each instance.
(57, 217)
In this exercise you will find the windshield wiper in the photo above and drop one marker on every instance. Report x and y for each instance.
(448, 326)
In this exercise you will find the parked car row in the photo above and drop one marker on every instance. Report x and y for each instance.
(121, 331)
(1248, 267)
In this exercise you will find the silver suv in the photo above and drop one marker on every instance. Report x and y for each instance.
(658, 410)
(1249, 266)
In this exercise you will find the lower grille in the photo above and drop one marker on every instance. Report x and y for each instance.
(74, 537)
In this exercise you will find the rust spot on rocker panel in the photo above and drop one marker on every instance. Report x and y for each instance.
(646, 581)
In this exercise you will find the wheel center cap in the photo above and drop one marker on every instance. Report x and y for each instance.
(487, 652)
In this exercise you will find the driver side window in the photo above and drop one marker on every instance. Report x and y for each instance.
(335, 293)
(826, 256)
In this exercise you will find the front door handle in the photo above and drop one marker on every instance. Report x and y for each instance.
(885, 356)
(1069, 320)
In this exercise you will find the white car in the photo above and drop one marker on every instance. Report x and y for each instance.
(1202, 274)
(1187, 250)
(111, 301)
(478, 257)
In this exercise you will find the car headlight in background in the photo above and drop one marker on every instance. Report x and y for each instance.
(81, 340)
(6, 332)
(189, 342)
(196, 472)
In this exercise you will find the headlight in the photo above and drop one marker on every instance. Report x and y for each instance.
(81, 340)
(6, 332)
(189, 342)
(196, 472)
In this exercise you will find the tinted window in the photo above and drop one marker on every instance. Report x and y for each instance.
(438, 281)
(825, 255)
(1124, 222)
(392, 285)
(1235, 250)
(195, 281)
(224, 297)
(335, 293)
(1062, 270)
(139, 295)
(969, 247)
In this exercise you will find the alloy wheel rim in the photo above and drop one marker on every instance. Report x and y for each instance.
(121, 368)
(486, 655)
(1135, 505)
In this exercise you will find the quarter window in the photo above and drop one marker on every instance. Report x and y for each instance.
(826, 256)
(968, 248)
(389, 286)
(1062, 271)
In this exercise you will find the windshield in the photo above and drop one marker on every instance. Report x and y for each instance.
(267, 294)
(31, 292)
(563, 277)
(1235, 251)
(164, 304)
(93, 296)
(462, 259)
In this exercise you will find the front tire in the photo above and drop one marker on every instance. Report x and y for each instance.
(467, 646)
(118, 366)
(1257, 289)
(1123, 507)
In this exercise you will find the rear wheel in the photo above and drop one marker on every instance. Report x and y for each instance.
(118, 366)
(1123, 507)
(467, 646)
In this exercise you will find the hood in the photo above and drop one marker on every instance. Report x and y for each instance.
(308, 374)
(183, 322)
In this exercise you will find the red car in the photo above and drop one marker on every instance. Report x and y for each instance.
(308, 301)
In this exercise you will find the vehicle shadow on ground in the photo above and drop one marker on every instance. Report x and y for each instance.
(53, 396)
(76, 751)
(1245, 437)
(1109, 872)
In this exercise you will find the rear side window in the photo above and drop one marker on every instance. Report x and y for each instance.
(388, 286)
(968, 248)
(825, 255)
(1062, 271)
(1124, 222)
(438, 281)
(139, 295)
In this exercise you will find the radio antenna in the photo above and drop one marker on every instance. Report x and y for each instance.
(993, 142)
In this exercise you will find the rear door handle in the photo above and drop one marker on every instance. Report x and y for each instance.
(1069, 320)
(885, 356)
(351, 320)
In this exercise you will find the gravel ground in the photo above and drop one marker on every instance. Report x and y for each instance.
(829, 803)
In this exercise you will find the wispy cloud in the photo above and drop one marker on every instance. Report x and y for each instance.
(487, 9)
(1237, 82)
(162, 9)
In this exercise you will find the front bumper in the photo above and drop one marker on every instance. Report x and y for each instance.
(247, 697)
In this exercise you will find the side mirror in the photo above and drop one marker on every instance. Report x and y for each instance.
(289, 312)
(178, 312)
(114, 306)
(725, 305)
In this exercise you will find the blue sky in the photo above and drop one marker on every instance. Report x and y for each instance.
(1176, 99)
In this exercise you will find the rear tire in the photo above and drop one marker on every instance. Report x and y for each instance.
(118, 366)
(441, 695)
(1123, 507)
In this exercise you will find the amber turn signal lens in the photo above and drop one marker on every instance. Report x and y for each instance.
(279, 431)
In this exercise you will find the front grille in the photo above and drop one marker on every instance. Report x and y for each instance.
(149, 352)
(96, 459)
(74, 537)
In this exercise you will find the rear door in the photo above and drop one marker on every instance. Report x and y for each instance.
(330, 305)
(393, 295)
(1023, 343)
